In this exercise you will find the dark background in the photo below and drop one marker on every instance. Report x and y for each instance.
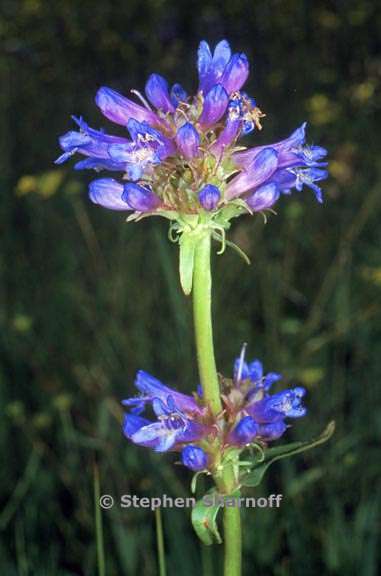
(86, 299)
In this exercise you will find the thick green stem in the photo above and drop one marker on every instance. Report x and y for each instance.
(202, 311)
(233, 541)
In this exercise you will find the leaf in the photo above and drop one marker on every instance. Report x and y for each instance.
(204, 520)
(255, 476)
(187, 249)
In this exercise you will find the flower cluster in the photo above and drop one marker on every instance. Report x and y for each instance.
(182, 156)
(184, 423)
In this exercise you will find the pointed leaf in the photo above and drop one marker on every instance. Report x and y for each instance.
(204, 520)
(256, 474)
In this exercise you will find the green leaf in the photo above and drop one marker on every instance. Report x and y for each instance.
(187, 249)
(204, 520)
(255, 476)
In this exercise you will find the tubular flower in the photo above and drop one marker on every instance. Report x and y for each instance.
(176, 145)
(184, 424)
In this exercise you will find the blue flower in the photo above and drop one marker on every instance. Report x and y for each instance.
(194, 457)
(176, 144)
(261, 415)
(172, 428)
(184, 423)
(297, 164)
(244, 432)
(253, 371)
(287, 403)
(179, 419)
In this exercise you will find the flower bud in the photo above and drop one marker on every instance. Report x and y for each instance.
(188, 141)
(209, 197)
(194, 457)
(178, 95)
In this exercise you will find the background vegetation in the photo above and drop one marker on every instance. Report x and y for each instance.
(86, 300)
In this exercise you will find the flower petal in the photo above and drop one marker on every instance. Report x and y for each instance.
(235, 73)
(260, 170)
(153, 388)
(139, 198)
(132, 423)
(158, 94)
(120, 109)
(263, 197)
(244, 432)
(155, 436)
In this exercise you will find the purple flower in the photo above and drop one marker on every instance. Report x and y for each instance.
(179, 418)
(176, 143)
(184, 423)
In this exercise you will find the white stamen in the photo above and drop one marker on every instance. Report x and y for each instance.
(142, 99)
(241, 361)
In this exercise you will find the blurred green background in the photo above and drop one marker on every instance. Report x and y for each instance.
(86, 299)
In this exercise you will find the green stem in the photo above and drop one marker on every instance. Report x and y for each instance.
(160, 542)
(99, 525)
(202, 311)
(233, 541)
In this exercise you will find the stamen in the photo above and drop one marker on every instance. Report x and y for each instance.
(256, 115)
(241, 362)
(183, 113)
(219, 160)
(142, 99)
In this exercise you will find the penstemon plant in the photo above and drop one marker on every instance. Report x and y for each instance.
(183, 162)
